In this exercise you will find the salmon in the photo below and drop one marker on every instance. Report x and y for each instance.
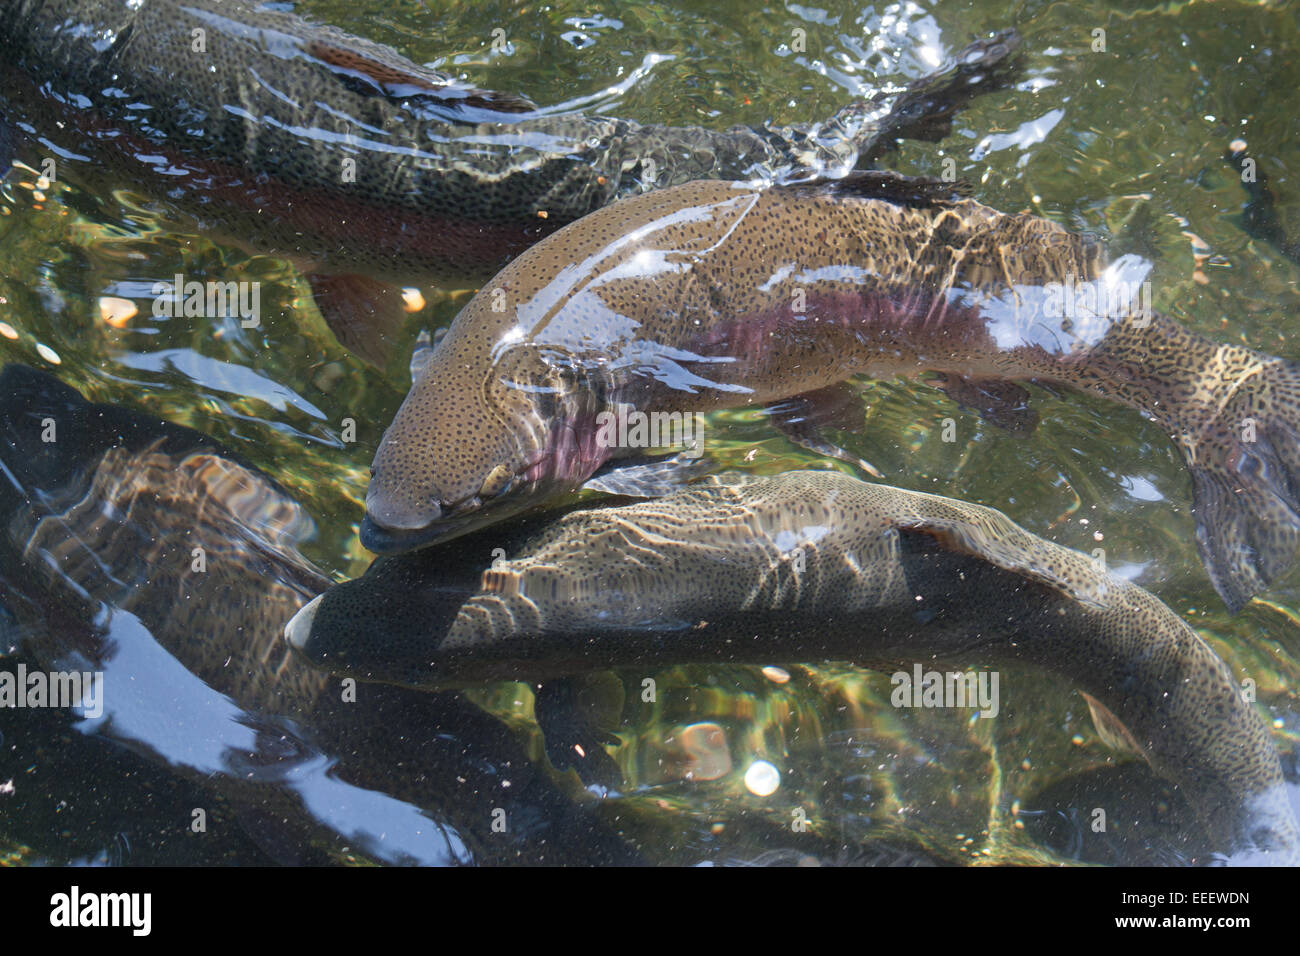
(292, 138)
(808, 567)
(715, 295)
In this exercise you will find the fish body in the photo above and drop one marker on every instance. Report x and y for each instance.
(721, 295)
(153, 555)
(809, 567)
(293, 138)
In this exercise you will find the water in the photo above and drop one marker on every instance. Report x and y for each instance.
(1125, 143)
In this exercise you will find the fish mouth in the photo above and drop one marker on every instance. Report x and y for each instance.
(380, 540)
(565, 459)
(388, 530)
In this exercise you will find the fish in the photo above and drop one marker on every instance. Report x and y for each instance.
(283, 136)
(1259, 215)
(717, 295)
(813, 566)
(152, 554)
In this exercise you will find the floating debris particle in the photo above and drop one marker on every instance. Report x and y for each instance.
(776, 675)
(412, 299)
(707, 756)
(47, 353)
(117, 312)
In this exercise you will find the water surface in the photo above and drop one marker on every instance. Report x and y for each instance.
(1126, 143)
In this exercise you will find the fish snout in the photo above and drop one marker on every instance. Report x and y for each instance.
(397, 523)
(298, 629)
(396, 514)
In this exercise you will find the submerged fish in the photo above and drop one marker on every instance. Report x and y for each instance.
(803, 567)
(364, 168)
(148, 552)
(1259, 215)
(716, 295)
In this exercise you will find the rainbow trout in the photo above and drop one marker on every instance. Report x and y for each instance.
(717, 295)
(812, 566)
(363, 168)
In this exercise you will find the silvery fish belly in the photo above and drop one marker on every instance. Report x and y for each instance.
(722, 295)
(813, 566)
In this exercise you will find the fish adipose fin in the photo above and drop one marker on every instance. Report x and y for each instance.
(1244, 458)
(366, 316)
(802, 417)
(648, 477)
(999, 402)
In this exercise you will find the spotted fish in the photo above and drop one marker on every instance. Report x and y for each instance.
(716, 295)
(365, 169)
(812, 566)
(150, 552)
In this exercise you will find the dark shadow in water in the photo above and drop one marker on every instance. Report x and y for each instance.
(1146, 822)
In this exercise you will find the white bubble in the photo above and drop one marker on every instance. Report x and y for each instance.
(762, 779)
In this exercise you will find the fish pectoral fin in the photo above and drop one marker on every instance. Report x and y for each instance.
(577, 716)
(1111, 729)
(648, 477)
(370, 75)
(997, 401)
(366, 316)
(990, 536)
(801, 418)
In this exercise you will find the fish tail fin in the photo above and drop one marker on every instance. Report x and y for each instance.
(1244, 457)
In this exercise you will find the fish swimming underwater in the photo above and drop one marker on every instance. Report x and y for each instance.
(365, 169)
(715, 295)
(148, 552)
(806, 567)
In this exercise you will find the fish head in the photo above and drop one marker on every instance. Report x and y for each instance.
(490, 428)
(385, 626)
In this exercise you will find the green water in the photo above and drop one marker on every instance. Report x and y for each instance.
(1125, 143)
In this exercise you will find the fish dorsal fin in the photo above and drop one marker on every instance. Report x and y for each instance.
(890, 187)
(370, 75)
(987, 535)
(1111, 729)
